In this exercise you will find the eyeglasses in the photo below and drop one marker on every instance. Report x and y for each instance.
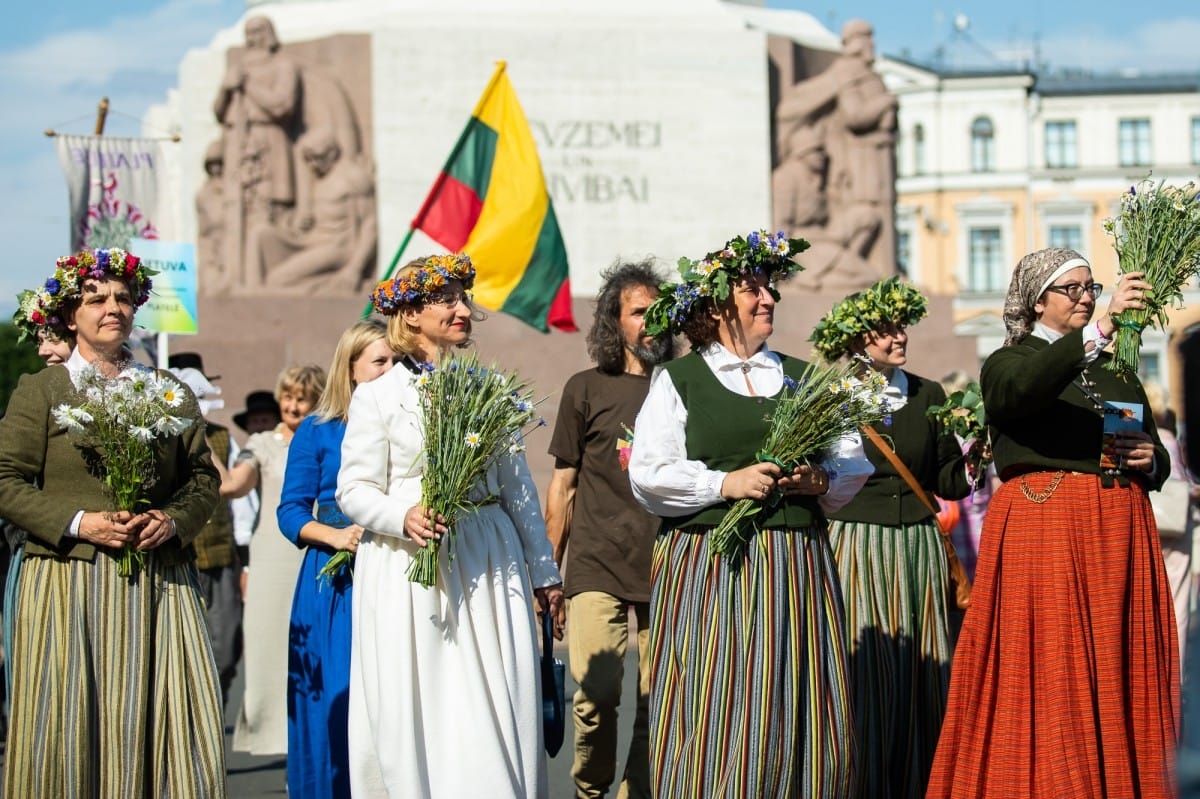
(448, 299)
(1074, 291)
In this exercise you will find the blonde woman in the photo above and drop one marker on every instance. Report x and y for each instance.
(274, 562)
(309, 517)
(444, 681)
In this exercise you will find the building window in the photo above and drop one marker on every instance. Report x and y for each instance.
(982, 145)
(1133, 142)
(985, 268)
(919, 149)
(1060, 145)
(1149, 368)
(903, 251)
(1196, 140)
(1069, 236)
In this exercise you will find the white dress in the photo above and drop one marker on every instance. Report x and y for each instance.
(445, 697)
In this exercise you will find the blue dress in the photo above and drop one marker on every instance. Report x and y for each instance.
(319, 639)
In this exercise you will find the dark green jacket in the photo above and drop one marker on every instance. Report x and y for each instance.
(930, 452)
(1041, 421)
(725, 430)
(45, 480)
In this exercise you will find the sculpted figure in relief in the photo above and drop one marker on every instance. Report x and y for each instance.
(333, 236)
(847, 115)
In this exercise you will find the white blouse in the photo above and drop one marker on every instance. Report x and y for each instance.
(666, 483)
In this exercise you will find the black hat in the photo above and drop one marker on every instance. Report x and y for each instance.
(189, 360)
(257, 402)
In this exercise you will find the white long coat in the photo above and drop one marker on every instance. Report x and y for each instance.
(445, 697)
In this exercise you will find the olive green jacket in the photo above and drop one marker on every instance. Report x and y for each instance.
(45, 478)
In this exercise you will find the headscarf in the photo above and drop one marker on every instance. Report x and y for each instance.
(1033, 275)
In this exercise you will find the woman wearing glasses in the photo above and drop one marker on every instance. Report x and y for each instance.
(444, 697)
(1066, 674)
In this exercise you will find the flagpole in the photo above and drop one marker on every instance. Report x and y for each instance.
(501, 66)
(101, 115)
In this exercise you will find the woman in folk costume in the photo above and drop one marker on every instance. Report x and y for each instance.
(444, 681)
(115, 691)
(748, 689)
(890, 551)
(319, 630)
(1066, 674)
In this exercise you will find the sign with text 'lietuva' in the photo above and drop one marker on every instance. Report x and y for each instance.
(172, 304)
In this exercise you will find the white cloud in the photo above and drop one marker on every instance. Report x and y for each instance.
(57, 82)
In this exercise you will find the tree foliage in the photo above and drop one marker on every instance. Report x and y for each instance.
(15, 360)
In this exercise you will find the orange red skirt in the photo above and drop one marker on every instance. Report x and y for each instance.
(1066, 674)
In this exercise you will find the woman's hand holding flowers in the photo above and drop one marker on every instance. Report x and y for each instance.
(346, 538)
(107, 528)
(753, 482)
(421, 526)
(154, 528)
(805, 480)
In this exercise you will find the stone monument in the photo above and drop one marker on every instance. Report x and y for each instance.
(834, 181)
(292, 218)
(650, 144)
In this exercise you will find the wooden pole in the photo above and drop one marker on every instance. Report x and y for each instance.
(101, 116)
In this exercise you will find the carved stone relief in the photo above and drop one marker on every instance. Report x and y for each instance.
(289, 202)
(835, 173)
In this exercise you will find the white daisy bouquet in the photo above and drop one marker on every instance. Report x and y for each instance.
(812, 414)
(118, 419)
(472, 416)
(1156, 232)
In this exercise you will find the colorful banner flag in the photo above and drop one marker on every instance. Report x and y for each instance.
(116, 188)
(490, 201)
(172, 304)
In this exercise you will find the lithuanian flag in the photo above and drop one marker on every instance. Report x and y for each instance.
(490, 201)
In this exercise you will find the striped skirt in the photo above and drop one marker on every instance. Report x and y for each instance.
(897, 614)
(114, 688)
(748, 678)
(1066, 676)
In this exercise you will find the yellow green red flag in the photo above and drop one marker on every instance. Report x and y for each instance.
(490, 201)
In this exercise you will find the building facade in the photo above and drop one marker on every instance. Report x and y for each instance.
(994, 164)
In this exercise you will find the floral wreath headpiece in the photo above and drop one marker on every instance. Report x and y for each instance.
(41, 308)
(714, 275)
(885, 302)
(415, 285)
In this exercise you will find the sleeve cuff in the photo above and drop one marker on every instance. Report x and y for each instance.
(73, 528)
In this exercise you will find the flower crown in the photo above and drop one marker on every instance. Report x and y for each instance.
(41, 308)
(411, 287)
(713, 276)
(885, 302)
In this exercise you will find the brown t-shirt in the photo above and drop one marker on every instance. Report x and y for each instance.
(611, 536)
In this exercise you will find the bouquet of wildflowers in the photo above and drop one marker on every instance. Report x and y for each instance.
(472, 416)
(1156, 232)
(962, 414)
(119, 418)
(810, 416)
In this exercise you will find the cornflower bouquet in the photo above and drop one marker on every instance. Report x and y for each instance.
(473, 415)
(963, 414)
(119, 419)
(1156, 232)
(811, 414)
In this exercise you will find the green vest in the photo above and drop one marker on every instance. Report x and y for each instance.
(724, 431)
(214, 545)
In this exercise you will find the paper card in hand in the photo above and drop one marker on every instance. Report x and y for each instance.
(1119, 417)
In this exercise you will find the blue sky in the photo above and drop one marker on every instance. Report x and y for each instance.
(58, 59)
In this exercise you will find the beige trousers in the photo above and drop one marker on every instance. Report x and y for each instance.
(598, 637)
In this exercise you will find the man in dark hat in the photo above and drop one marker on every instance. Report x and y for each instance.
(261, 414)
